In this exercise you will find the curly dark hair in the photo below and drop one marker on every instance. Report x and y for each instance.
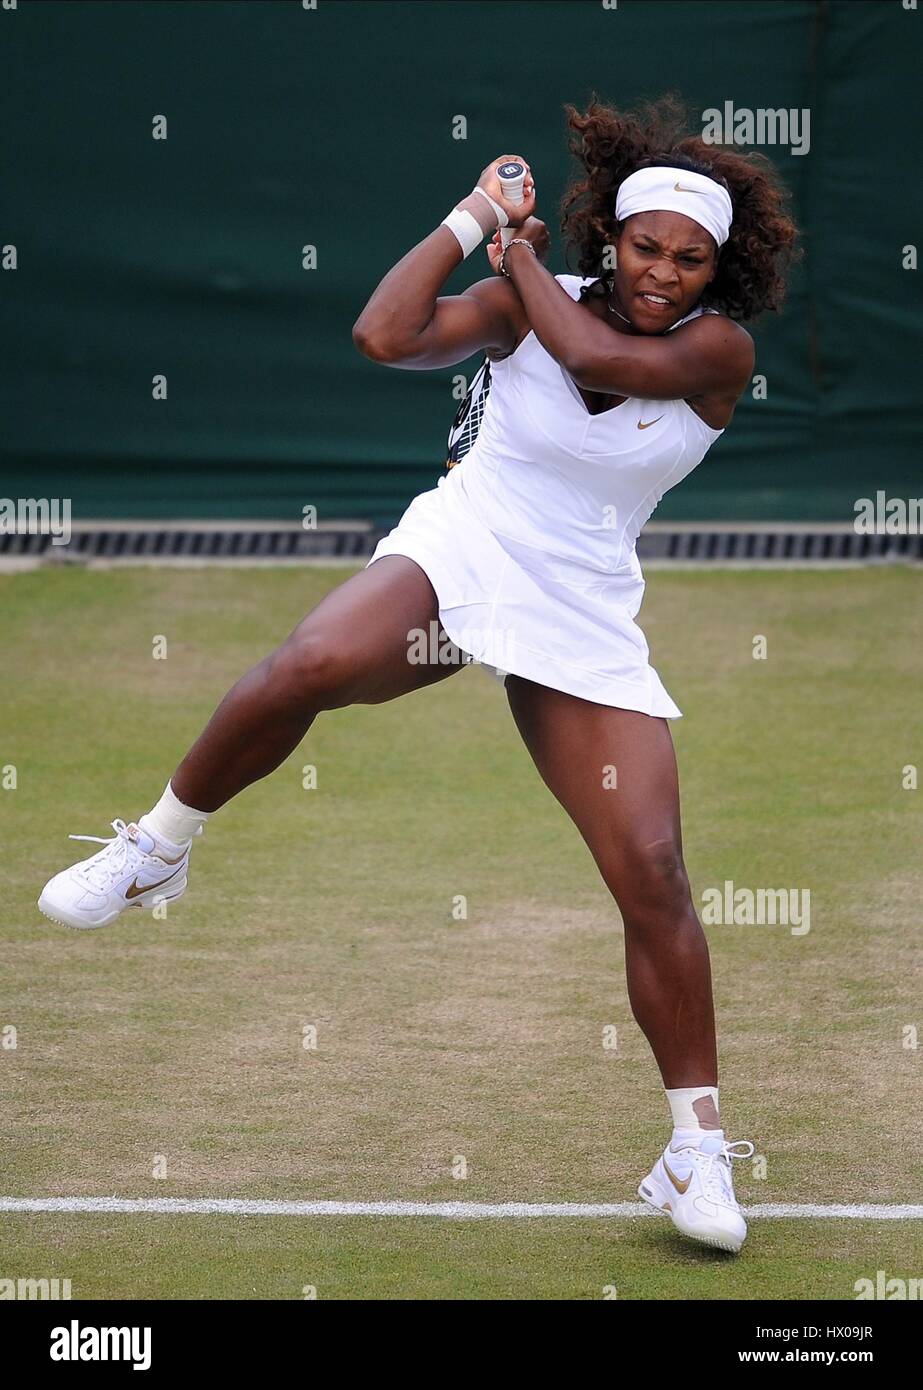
(612, 144)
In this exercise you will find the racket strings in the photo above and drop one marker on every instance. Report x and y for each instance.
(467, 422)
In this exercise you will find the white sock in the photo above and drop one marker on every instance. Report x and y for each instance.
(682, 1102)
(692, 1138)
(172, 821)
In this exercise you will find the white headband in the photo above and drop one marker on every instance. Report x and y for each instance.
(677, 190)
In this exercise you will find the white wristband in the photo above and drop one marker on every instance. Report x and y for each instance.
(502, 218)
(467, 229)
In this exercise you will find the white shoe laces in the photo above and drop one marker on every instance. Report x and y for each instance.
(100, 872)
(715, 1169)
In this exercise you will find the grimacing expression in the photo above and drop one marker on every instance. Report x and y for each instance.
(667, 255)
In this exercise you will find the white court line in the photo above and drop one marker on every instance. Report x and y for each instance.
(466, 1211)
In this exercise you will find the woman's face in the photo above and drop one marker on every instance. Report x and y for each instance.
(663, 254)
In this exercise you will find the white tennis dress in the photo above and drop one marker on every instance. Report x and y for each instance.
(529, 542)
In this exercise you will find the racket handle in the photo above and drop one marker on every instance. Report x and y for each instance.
(512, 176)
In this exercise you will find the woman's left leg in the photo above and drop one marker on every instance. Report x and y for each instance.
(614, 772)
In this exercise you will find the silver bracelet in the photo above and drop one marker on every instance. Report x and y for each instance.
(516, 241)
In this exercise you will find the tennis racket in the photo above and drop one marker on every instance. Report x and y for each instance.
(464, 428)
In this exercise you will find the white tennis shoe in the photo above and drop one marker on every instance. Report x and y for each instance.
(693, 1184)
(132, 871)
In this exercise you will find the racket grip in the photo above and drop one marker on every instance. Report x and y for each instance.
(512, 176)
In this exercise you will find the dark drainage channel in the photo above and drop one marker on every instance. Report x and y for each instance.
(759, 545)
(219, 544)
(240, 543)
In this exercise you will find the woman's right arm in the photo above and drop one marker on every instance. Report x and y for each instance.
(486, 317)
(406, 323)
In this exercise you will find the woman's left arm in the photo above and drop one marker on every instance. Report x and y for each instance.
(710, 355)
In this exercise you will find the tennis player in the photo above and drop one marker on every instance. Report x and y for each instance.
(607, 388)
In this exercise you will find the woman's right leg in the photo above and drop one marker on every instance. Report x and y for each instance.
(353, 648)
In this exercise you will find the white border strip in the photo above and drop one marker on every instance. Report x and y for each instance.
(465, 1211)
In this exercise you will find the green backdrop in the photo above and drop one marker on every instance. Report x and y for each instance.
(290, 126)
